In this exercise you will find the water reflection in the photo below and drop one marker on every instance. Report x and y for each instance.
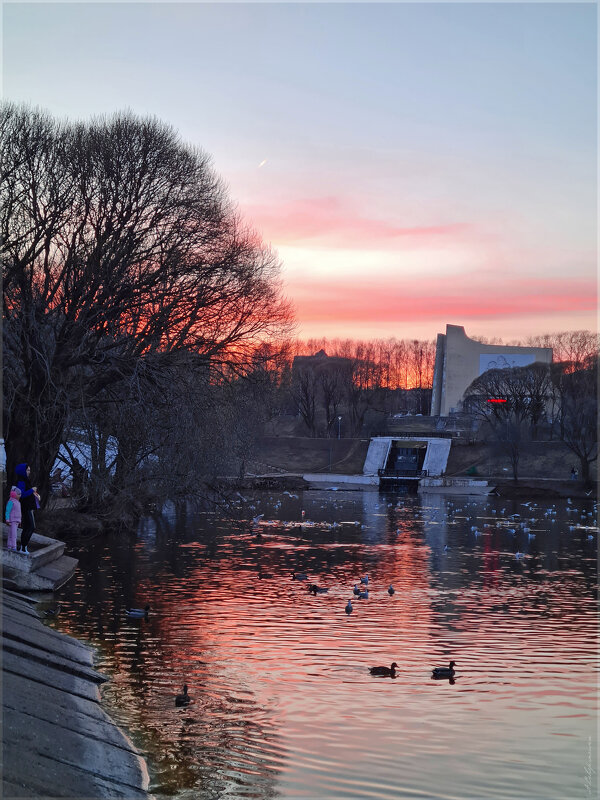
(283, 702)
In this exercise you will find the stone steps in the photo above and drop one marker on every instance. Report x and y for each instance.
(45, 568)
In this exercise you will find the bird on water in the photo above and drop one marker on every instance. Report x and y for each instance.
(444, 672)
(183, 699)
(388, 672)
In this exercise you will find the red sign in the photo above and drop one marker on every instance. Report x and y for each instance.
(496, 400)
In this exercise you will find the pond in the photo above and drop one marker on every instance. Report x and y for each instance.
(284, 705)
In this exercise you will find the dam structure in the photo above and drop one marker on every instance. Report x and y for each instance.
(421, 460)
(406, 458)
(393, 460)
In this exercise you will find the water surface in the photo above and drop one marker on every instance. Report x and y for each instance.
(284, 705)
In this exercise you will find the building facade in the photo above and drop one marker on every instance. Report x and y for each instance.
(459, 360)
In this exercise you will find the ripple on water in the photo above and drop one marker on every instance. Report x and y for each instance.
(283, 702)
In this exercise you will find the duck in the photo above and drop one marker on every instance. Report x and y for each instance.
(299, 576)
(391, 590)
(137, 613)
(314, 589)
(444, 672)
(363, 595)
(53, 612)
(389, 672)
(365, 580)
(349, 608)
(183, 699)
(356, 590)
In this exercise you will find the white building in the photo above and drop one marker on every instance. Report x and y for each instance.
(459, 360)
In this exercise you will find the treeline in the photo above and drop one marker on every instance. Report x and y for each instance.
(388, 363)
(357, 381)
(390, 375)
(552, 401)
(141, 318)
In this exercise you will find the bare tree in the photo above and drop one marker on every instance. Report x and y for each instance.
(305, 387)
(119, 243)
(331, 385)
(512, 401)
(571, 348)
(580, 414)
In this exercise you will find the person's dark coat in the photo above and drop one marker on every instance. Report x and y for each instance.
(24, 484)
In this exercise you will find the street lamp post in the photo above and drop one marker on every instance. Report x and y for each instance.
(339, 426)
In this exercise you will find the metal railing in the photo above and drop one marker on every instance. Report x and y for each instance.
(402, 473)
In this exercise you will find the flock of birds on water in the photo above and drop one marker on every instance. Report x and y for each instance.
(514, 523)
(438, 673)
(184, 699)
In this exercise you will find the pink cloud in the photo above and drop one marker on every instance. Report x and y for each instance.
(381, 301)
(333, 223)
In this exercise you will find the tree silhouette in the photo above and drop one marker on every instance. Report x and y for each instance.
(120, 253)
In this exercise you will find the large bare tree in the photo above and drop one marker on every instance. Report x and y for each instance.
(119, 249)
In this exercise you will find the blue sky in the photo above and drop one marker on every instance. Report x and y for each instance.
(413, 164)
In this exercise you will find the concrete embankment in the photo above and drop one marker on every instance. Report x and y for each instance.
(57, 740)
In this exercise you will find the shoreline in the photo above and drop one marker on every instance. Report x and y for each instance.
(50, 687)
(506, 487)
(64, 522)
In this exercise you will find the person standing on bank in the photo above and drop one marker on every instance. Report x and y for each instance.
(13, 517)
(29, 496)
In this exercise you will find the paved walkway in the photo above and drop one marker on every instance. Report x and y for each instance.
(56, 739)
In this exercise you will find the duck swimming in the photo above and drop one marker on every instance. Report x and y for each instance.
(444, 672)
(389, 672)
(137, 613)
(183, 699)
(391, 590)
(349, 608)
(315, 590)
(299, 576)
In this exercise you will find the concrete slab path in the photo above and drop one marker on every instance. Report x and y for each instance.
(57, 741)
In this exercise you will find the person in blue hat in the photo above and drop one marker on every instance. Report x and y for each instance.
(29, 502)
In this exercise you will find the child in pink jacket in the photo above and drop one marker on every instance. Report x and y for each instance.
(13, 516)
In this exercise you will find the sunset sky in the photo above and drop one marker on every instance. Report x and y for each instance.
(412, 164)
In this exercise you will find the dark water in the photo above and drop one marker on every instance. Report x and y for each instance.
(284, 705)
